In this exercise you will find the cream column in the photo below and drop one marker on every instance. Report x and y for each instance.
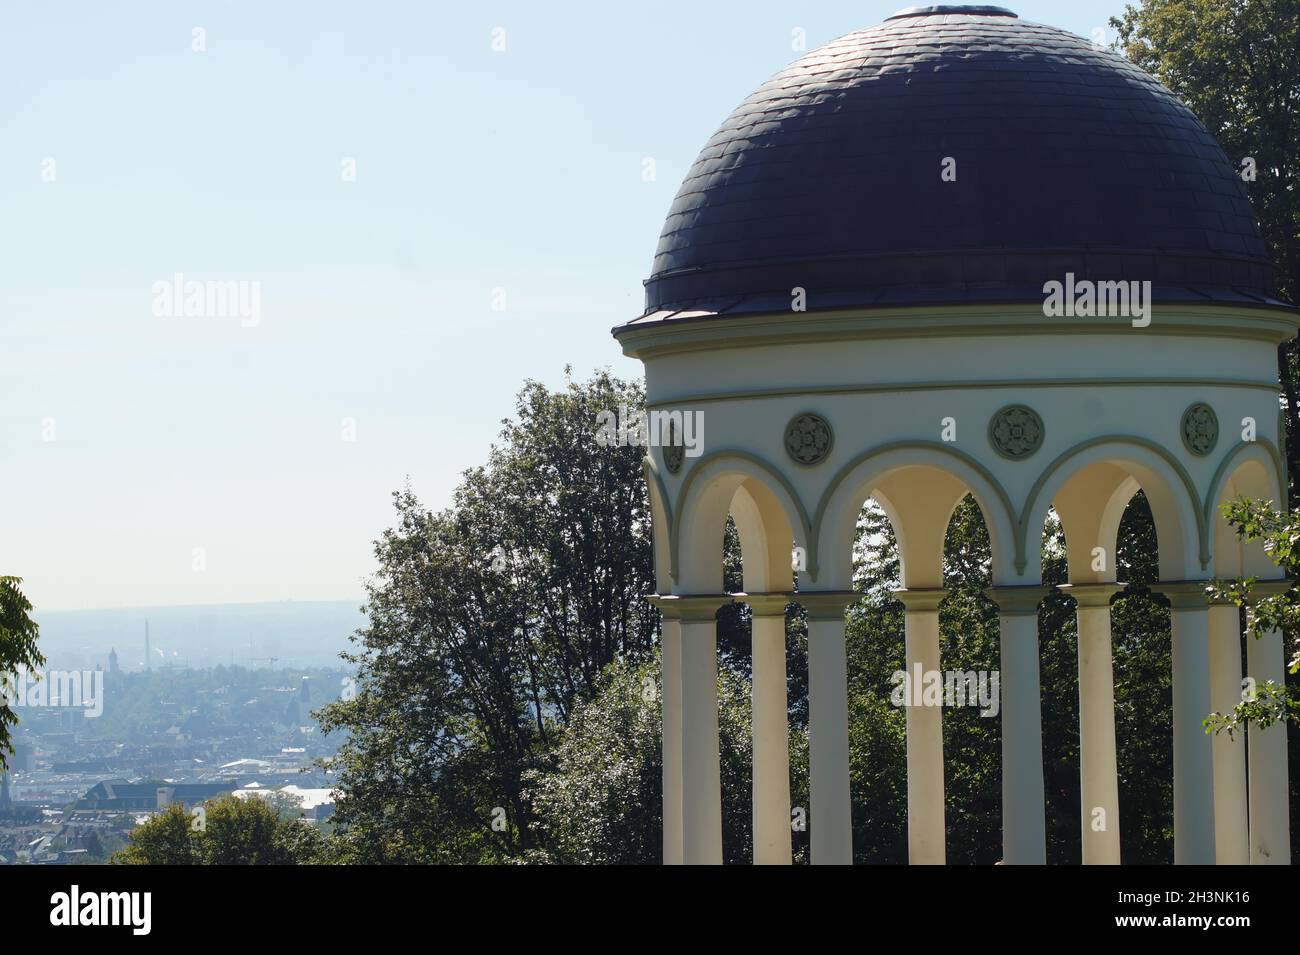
(1270, 834)
(701, 772)
(926, 841)
(771, 730)
(830, 816)
(1024, 827)
(1193, 753)
(1098, 765)
(670, 696)
(1227, 753)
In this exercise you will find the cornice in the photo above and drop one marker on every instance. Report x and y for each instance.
(654, 339)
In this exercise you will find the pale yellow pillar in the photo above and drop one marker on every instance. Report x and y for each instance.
(1270, 833)
(830, 815)
(1193, 752)
(670, 653)
(1024, 825)
(771, 730)
(1098, 766)
(701, 783)
(926, 842)
(1231, 834)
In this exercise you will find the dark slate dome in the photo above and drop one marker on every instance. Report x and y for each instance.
(1068, 159)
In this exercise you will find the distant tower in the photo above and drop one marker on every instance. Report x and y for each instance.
(21, 760)
(147, 660)
(112, 661)
(5, 801)
(305, 691)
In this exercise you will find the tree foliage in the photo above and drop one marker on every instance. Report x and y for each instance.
(490, 625)
(1279, 535)
(233, 831)
(18, 650)
(601, 799)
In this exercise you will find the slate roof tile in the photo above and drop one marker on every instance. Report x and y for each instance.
(1069, 158)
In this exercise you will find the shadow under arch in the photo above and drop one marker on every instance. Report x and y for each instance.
(1270, 457)
(740, 466)
(1175, 503)
(856, 481)
(1252, 469)
(1090, 506)
(661, 523)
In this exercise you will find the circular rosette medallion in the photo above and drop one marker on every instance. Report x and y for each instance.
(1200, 429)
(1016, 432)
(808, 438)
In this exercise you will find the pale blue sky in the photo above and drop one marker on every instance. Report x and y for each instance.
(474, 170)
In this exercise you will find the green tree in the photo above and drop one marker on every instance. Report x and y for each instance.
(18, 633)
(1279, 534)
(1143, 669)
(969, 640)
(164, 839)
(490, 623)
(231, 831)
(601, 800)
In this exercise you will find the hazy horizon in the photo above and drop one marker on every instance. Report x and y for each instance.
(38, 613)
(292, 632)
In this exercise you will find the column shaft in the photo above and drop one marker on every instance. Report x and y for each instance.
(701, 773)
(1098, 766)
(1193, 759)
(926, 842)
(670, 652)
(772, 839)
(1024, 833)
(1270, 835)
(830, 816)
(1024, 829)
(1228, 753)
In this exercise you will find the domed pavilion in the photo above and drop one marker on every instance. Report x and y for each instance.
(960, 253)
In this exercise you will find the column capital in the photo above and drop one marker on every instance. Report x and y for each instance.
(688, 607)
(1184, 594)
(770, 604)
(1091, 594)
(920, 598)
(1018, 600)
(827, 604)
(1269, 588)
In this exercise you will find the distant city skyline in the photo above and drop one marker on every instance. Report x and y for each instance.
(290, 633)
(430, 205)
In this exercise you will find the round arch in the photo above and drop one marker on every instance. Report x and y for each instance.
(868, 475)
(1090, 505)
(1252, 469)
(767, 512)
(1175, 504)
